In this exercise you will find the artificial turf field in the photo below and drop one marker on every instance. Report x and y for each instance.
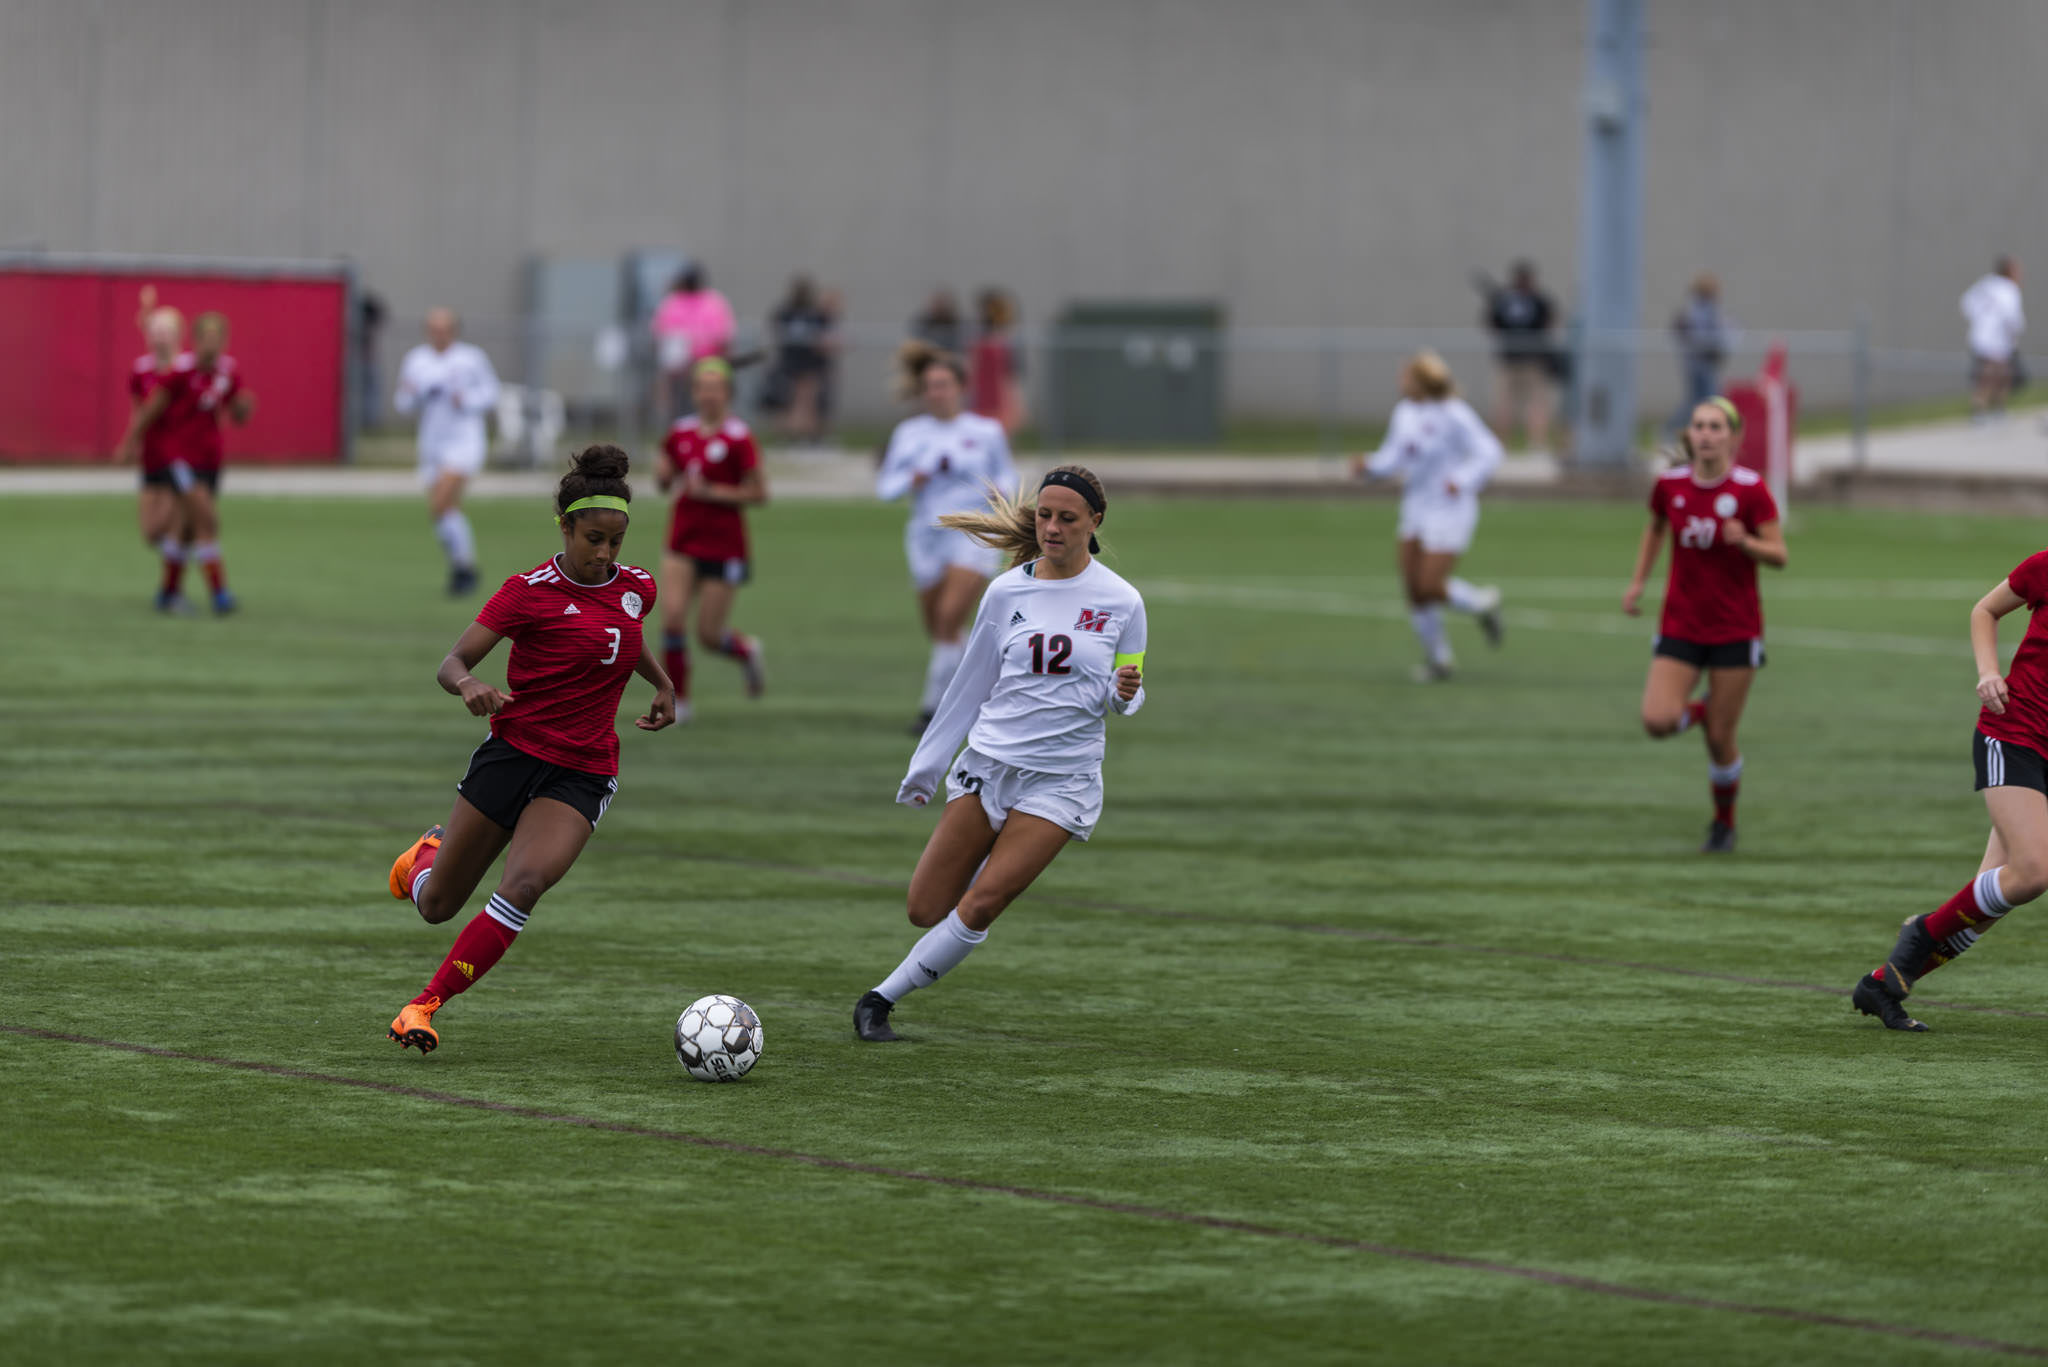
(1378, 1023)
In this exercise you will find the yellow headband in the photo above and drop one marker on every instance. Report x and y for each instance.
(611, 501)
(1728, 410)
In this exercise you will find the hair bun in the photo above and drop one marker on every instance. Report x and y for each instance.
(602, 462)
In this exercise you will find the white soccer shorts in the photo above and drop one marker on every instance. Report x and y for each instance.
(931, 551)
(1441, 527)
(465, 458)
(1072, 802)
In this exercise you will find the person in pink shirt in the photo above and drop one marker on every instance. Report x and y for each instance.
(691, 322)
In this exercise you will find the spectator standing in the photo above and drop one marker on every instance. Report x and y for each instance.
(1704, 339)
(802, 333)
(996, 366)
(692, 321)
(938, 326)
(1520, 316)
(1997, 319)
(369, 382)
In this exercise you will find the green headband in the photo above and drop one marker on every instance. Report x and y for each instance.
(1728, 409)
(715, 365)
(611, 501)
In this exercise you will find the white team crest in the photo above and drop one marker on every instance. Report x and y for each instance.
(1678, 501)
(1725, 505)
(714, 449)
(630, 601)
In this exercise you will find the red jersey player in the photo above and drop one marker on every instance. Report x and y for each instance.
(2012, 773)
(158, 395)
(215, 391)
(536, 788)
(1723, 522)
(713, 455)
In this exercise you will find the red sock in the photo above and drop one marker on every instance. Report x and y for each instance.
(676, 660)
(1957, 913)
(421, 862)
(174, 574)
(480, 945)
(1724, 801)
(735, 645)
(216, 578)
(1696, 712)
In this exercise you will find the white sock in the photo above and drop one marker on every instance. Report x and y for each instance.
(944, 663)
(1429, 629)
(172, 549)
(206, 552)
(452, 528)
(420, 881)
(1721, 775)
(1464, 597)
(931, 958)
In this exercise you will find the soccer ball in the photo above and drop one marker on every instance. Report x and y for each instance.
(718, 1039)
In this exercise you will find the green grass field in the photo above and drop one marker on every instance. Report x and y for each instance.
(1377, 1023)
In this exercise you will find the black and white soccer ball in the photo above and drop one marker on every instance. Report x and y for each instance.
(718, 1039)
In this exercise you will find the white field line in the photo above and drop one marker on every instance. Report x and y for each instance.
(1331, 604)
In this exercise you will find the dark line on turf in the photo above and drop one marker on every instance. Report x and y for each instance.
(1354, 933)
(1544, 1276)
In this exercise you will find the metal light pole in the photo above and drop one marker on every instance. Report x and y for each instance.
(1610, 235)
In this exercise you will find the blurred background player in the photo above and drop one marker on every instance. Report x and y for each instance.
(217, 392)
(949, 461)
(1058, 643)
(158, 394)
(538, 785)
(1997, 318)
(1723, 522)
(2011, 749)
(451, 385)
(714, 456)
(1444, 455)
(1704, 338)
(997, 368)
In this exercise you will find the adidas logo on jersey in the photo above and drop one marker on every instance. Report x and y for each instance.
(1016, 618)
(572, 611)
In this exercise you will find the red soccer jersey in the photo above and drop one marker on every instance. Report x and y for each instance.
(2026, 708)
(1711, 598)
(574, 646)
(196, 439)
(160, 439)
(704, 530)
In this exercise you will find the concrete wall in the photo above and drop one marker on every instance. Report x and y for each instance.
(1307, 161)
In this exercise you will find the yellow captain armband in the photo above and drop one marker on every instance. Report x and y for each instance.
(1134, 659)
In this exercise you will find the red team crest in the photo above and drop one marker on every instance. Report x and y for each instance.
(1093, 619)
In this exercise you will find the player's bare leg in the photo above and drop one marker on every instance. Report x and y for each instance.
(946, 607)
(1423, 576)
(451, 528)
(959, 845)
(159, 518)
(714, 610)
(202, 541)
(1727, 695)
(543, 847)
(470, 843)
(1667, 697)
(678, 587)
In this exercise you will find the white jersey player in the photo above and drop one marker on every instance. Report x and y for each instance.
(1058, 643)
(1997, 316)
(947, 460)
(1444, 456)
(451, 385)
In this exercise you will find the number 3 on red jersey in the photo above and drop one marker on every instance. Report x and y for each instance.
(612, 632)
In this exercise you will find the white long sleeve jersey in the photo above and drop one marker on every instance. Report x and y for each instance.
(1435, 446)
(959, 459)
(451, 390)
(1038, 677)
(1996, 315)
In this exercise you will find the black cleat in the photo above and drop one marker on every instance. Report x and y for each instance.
(1490, 627)
(1913, 954)
(1874, 998)
(461, 581)
(871, 1018)
(1720, 839)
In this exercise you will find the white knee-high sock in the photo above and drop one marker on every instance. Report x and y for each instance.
(1429, 629)
(1463, 597)
(931, 958)
(939, 671)
(452, 529)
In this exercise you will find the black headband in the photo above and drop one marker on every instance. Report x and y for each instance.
(1067, 479)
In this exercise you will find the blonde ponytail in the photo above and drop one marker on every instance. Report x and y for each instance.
(1010, 525)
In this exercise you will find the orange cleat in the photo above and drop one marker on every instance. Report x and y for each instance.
(401, 868)
(414, 1028)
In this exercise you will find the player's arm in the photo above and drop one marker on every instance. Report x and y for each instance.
(1646, 560)
(897, 476)
(1991, 690)
(662, 711)
(1481, 456)
(752, 489)
(980, 667)
(476, 641)
(1127, 691)
(1388, 459)
(406, 397)
(480, 386)
(145, 412)
(1765, 545)
(240, 406)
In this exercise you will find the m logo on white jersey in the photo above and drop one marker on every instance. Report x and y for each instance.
(630, 601)
(572, 611)
(1092, 619)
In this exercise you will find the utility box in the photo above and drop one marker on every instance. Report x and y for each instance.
(1146, 373)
